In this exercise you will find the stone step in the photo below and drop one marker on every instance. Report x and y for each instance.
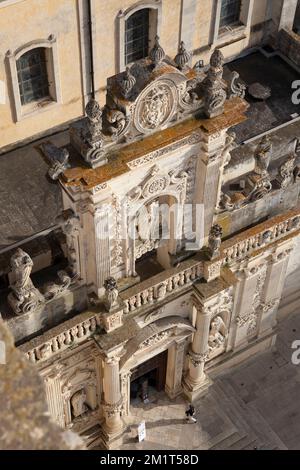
(226, 443)
(90, 436)
(255, 422)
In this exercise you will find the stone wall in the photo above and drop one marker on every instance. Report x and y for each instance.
(289, 45)
(50, 314)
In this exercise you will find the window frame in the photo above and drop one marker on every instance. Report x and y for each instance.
(219, 35)
(155, 15)
(51, 54)
(143, 37)
(233, 23)
(41, 75)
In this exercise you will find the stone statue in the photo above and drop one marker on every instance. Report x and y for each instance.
(215, 240)
(24, 297)
(230, 144)
(213, 86)
(111, 293)
(78, 403)
(217, 333)
(263, 156)
(286, 172)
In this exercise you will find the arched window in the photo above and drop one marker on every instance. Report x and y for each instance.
(137, 36)
(33, 76)
(34, 72)
(230, 12)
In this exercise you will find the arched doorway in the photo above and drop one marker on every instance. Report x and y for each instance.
(156, 354)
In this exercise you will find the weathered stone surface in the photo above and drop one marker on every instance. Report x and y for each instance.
(24, 418)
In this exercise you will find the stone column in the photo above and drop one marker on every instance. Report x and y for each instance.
(174, 369)
(196, 380)
(54, 397)
(112, 403)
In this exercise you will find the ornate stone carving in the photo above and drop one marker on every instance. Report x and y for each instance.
(24, 297)
(217, 333)
(236, 88)
(57, 157)
(161, 291)
(157, 183)
(286, 172)
(197, 359)
(190, 140)
(157, 54)
(127, 83)
(94, 123)
(261, 187)
(251, 318)
(116, 122)
(156, 106)
(52, 290)
(214, 93)
(89, 139)
(262, 156)
(183, 57)
(78, 404)
(111, 293)
(157, 338)
(112, 409)
(215, 240)
(230, 144)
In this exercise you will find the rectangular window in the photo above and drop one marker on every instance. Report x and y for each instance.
(32, 76)
(230, 12)
(137, 36)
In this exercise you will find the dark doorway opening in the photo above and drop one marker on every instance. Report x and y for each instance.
(150, 374)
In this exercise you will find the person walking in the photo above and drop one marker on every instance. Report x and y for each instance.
(190, 414)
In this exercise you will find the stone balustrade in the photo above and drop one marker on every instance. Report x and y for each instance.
(61, 337)
(158, 287)
(242, 245)
(155, 289)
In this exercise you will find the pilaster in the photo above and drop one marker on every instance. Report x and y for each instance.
(174, 369)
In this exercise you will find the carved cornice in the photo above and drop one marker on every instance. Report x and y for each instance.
(192, 139)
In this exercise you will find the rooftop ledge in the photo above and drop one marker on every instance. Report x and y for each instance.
(87, 178)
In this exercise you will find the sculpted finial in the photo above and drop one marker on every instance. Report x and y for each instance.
(183, 57)
(157, 54)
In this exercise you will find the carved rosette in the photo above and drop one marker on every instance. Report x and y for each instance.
(156, 106)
